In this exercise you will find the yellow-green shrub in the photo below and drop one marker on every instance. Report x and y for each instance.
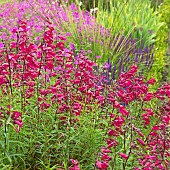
(161, 44)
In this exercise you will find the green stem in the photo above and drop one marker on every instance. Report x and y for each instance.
(5, 138)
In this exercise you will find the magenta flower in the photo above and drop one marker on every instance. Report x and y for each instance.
(140, 134)
(118, 121)
(74, 162)
(141, 141)
(101, 165)
(2, 79)
(13, 45)
(155, 128)
(123, 155)
(106, 65)
(72, 47)
(106, 150)
(1, 45)
(105, 157)
(123, 111)
(18, 122)
(75, 165)
(112, 132)
(116, 104)
(151, 81)
(98, 56)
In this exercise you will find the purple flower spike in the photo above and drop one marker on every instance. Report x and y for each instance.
(136, 58)
(72, 47)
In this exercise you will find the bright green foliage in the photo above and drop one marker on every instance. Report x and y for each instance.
(136, 17)
(161, 43)
(4, 1)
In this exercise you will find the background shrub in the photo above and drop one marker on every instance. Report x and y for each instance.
(161, 65)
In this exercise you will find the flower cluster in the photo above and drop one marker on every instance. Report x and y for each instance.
(85, 25)
(55, 77)
(75, 164)
(127, 92)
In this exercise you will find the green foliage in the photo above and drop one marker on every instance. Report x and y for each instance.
(112, 27)
(127, 16)
(47, 146)
(4, 1)
(135, 18)
(161, 44)
(130, 15)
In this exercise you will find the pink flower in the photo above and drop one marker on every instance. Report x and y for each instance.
(74, 162)
(119, 121)
(153, 133)
(106, 65)
(13, 45)
(105, 157)
(112, 133)
(116, 104)
(98, 56)
(141, 141)
(148, 96)
(166, 119)
(123, 155)
(16, 115)
(136, 168)
(140, 134)
(106, 150)
(101, 165)
(18, 122)
(123, 111)
(112, 115)
(1, 45)
(133, 69)
(151, 81)
(2, 79)
(111, 143)
(76, 167)
(155, 128)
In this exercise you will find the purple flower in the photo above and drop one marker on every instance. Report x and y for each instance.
(72, 47)
(1, 45)
(98, 56)
(151, 31)
(106, 65)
